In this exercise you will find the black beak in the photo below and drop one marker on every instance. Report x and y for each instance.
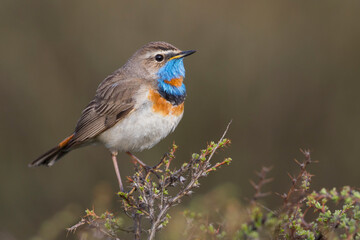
(186, 53)
(183, 54)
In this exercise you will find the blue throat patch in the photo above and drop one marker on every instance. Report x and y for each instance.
(171, 70)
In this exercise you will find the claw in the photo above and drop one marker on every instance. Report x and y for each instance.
(152, 170)
(146, 167)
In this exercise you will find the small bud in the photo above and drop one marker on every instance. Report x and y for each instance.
(182, 179)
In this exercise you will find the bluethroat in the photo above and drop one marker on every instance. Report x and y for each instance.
(133, 108)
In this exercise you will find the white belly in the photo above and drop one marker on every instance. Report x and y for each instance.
(140, 130)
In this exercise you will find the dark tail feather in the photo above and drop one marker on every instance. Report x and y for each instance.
(50, 157)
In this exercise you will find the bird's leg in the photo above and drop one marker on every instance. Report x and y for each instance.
(113, 155)
(136, 160)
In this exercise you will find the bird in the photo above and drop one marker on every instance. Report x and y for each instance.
(133, 109)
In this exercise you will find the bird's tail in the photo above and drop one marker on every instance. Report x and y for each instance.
(50, 157)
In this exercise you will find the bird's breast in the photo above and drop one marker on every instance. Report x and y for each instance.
(152, 119)
(161, 106)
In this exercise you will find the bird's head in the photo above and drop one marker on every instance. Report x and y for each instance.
(161, 63)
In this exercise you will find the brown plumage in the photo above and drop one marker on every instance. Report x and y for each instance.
(123, 95)
(112, 102)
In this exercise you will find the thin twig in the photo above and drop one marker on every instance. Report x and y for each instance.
(185, 191)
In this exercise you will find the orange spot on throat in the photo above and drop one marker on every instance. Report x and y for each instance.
(160, 105)
(176, 82)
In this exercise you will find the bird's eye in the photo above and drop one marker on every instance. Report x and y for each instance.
(159, 57)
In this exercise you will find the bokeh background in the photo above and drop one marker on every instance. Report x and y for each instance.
(286, 72)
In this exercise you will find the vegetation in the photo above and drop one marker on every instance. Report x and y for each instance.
(303, 214)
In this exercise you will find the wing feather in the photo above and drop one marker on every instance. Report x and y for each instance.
(114, 99)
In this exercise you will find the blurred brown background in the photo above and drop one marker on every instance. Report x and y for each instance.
(286, 72)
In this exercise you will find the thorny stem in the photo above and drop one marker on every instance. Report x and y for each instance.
(259, 185)
(137, 226)
(160, 218)
(170, 203)
(296, 179)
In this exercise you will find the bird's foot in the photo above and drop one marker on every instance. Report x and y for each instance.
(143, 165)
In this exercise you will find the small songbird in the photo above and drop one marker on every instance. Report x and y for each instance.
(133, 108)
